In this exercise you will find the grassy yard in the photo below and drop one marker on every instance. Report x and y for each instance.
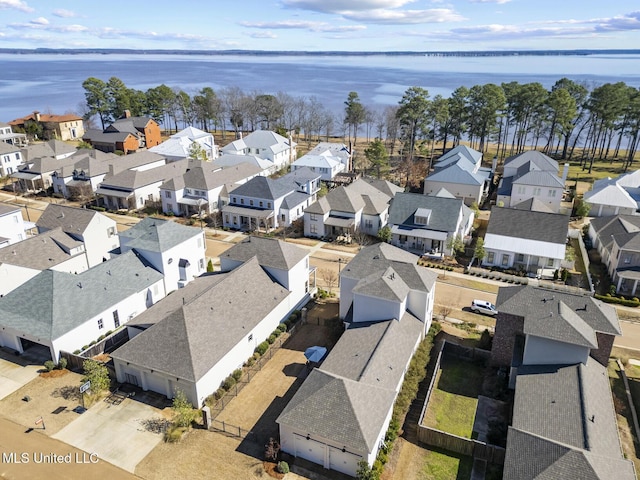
(453, 402)
(468, 283)
(441, 465)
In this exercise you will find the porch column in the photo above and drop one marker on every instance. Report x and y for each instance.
(635, 285)
(528, 260)
(619, 283)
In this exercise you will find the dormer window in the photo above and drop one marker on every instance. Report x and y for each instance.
(422, 216)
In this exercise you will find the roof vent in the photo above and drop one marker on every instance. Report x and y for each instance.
(80, 284)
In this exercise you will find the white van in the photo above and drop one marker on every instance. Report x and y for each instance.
(482, 306)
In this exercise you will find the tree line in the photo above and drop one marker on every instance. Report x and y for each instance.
(565, 121)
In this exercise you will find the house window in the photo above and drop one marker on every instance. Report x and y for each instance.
(251, 202)
(403, 238)
(234, 200)
(167, 194)
(282, 217)
(268, 204)
(116, 319)
(521, 190)
(201, 263)
(313, 229)
(313, 217)
(536, 191)
(242, 201)
(226, 218)
(100, 324)
(550, 262)
(520, 258)
(368, 223)
(505, 260)
(260, 202)
(627, 259)
(200, 242)
(552, 192)
(491, 257)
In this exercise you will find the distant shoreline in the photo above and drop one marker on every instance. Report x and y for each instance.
(479, 53)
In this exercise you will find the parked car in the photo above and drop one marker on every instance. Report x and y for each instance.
(482, 306)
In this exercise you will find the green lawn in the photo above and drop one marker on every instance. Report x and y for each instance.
(441, 465)
(453, 402)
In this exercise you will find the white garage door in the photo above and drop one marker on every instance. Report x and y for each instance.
(344, 462)
(310, 450)
(156, 383)
(7, 340)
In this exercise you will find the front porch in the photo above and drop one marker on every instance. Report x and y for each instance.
(627, 281)
(247, 219)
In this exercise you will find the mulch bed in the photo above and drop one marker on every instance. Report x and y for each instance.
(54, 373)
(270, 468)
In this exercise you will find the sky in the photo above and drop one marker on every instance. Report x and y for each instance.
(311, 25)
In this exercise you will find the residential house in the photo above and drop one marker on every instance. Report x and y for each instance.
(178, 146)
(126, 135)
(176, 251)
(134, 189)
(336, 150)
(617, 239)
(51, 148)
(40, 160)
(232, 160)
(615, 196)
(56, 311)
(557, 345)
(62, 127)
(10, 158)
(361, 206)
(8, 136)
(90, 167)
(96, 231)
(268, 145)
(188, 343)
(204, 188)
(531, 241)
(426, 223)
(325, 164)
(532, 174)
(340, 414)
(460, 172)
(52, 250)
(12, 225)
(266, 203)
(284, 262)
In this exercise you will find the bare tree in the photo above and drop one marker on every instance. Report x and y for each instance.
(329, 278)
(444, 311)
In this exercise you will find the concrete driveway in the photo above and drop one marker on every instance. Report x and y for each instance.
(14, 376)
(118, 434)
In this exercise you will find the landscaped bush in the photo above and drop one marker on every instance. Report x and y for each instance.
(92, 343)
(84, 347)
(287, 324)
(174, 434)
(262, 348)
(271, 339)
(76, 352)
(49, 365)
(250, 361)
(619, 301)
(237, 374)
(97, 209)
(100, 338)
(282, 327)
(283, 467)
(62, 364)
(276, 333)
(228, 383)
(219, 393)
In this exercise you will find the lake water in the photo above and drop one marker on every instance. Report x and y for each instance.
(53, 83)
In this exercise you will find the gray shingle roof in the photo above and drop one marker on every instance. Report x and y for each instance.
(456, 174)
(264, 187)
(206, 176)
(52, 303)
(444, 217)
(72, 220)
(537, 161)
(156, 235)
(270, 252)
(387, 285)
(564, 425)
(190, 340)
(132, 179)
(559, 322)
(6, 209)
(539, 179)
(529, 302)
(41, 252)
(540, 226)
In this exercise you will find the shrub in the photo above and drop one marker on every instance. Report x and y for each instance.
(100, 338)
(219, 393)
(262, 348)
(92, 343)
(76, 352)
(271, 339)
(282, 327)
(619, 301)
(283, 467)
(49, 365)
(237, 374)
(108, 332)
(250, 361)
(228, 383)
(84, 347)
(174, 434)
(287, 324)
(62, 364)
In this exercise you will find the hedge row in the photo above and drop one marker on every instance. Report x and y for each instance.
(634, 302)
(436, 265)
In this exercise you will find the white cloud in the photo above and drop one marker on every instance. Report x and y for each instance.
(16, 4)
(399, 17)
(338, 6)
(267, 34)
(61, 12)
(40, 21)
(303, 25)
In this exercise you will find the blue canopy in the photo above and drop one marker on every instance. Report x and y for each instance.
(315, 354)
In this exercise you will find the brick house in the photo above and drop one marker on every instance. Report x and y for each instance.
(126, 134)
(61, 127)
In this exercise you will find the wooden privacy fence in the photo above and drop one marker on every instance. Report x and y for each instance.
(466, 353)
(464, 446)
(107, 344)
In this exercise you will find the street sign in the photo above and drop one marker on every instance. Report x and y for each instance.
(85, 386)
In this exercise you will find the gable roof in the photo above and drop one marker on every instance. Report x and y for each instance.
(533, 160)
(157, 235)
(53, 303)
(270, 252)
(206, 176)
(539, 226)
(266, 139)
(534, 304)
(188, 341)
(534, 205)
(46, 117)
(264, 187)
(539, 178)
(71, 220)
(564, 425)
(456, 173)
(462, 151)
(614, 195)
(621, 229)
(132, 179)
(42, 251)
(50, 148)
(444, 216)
